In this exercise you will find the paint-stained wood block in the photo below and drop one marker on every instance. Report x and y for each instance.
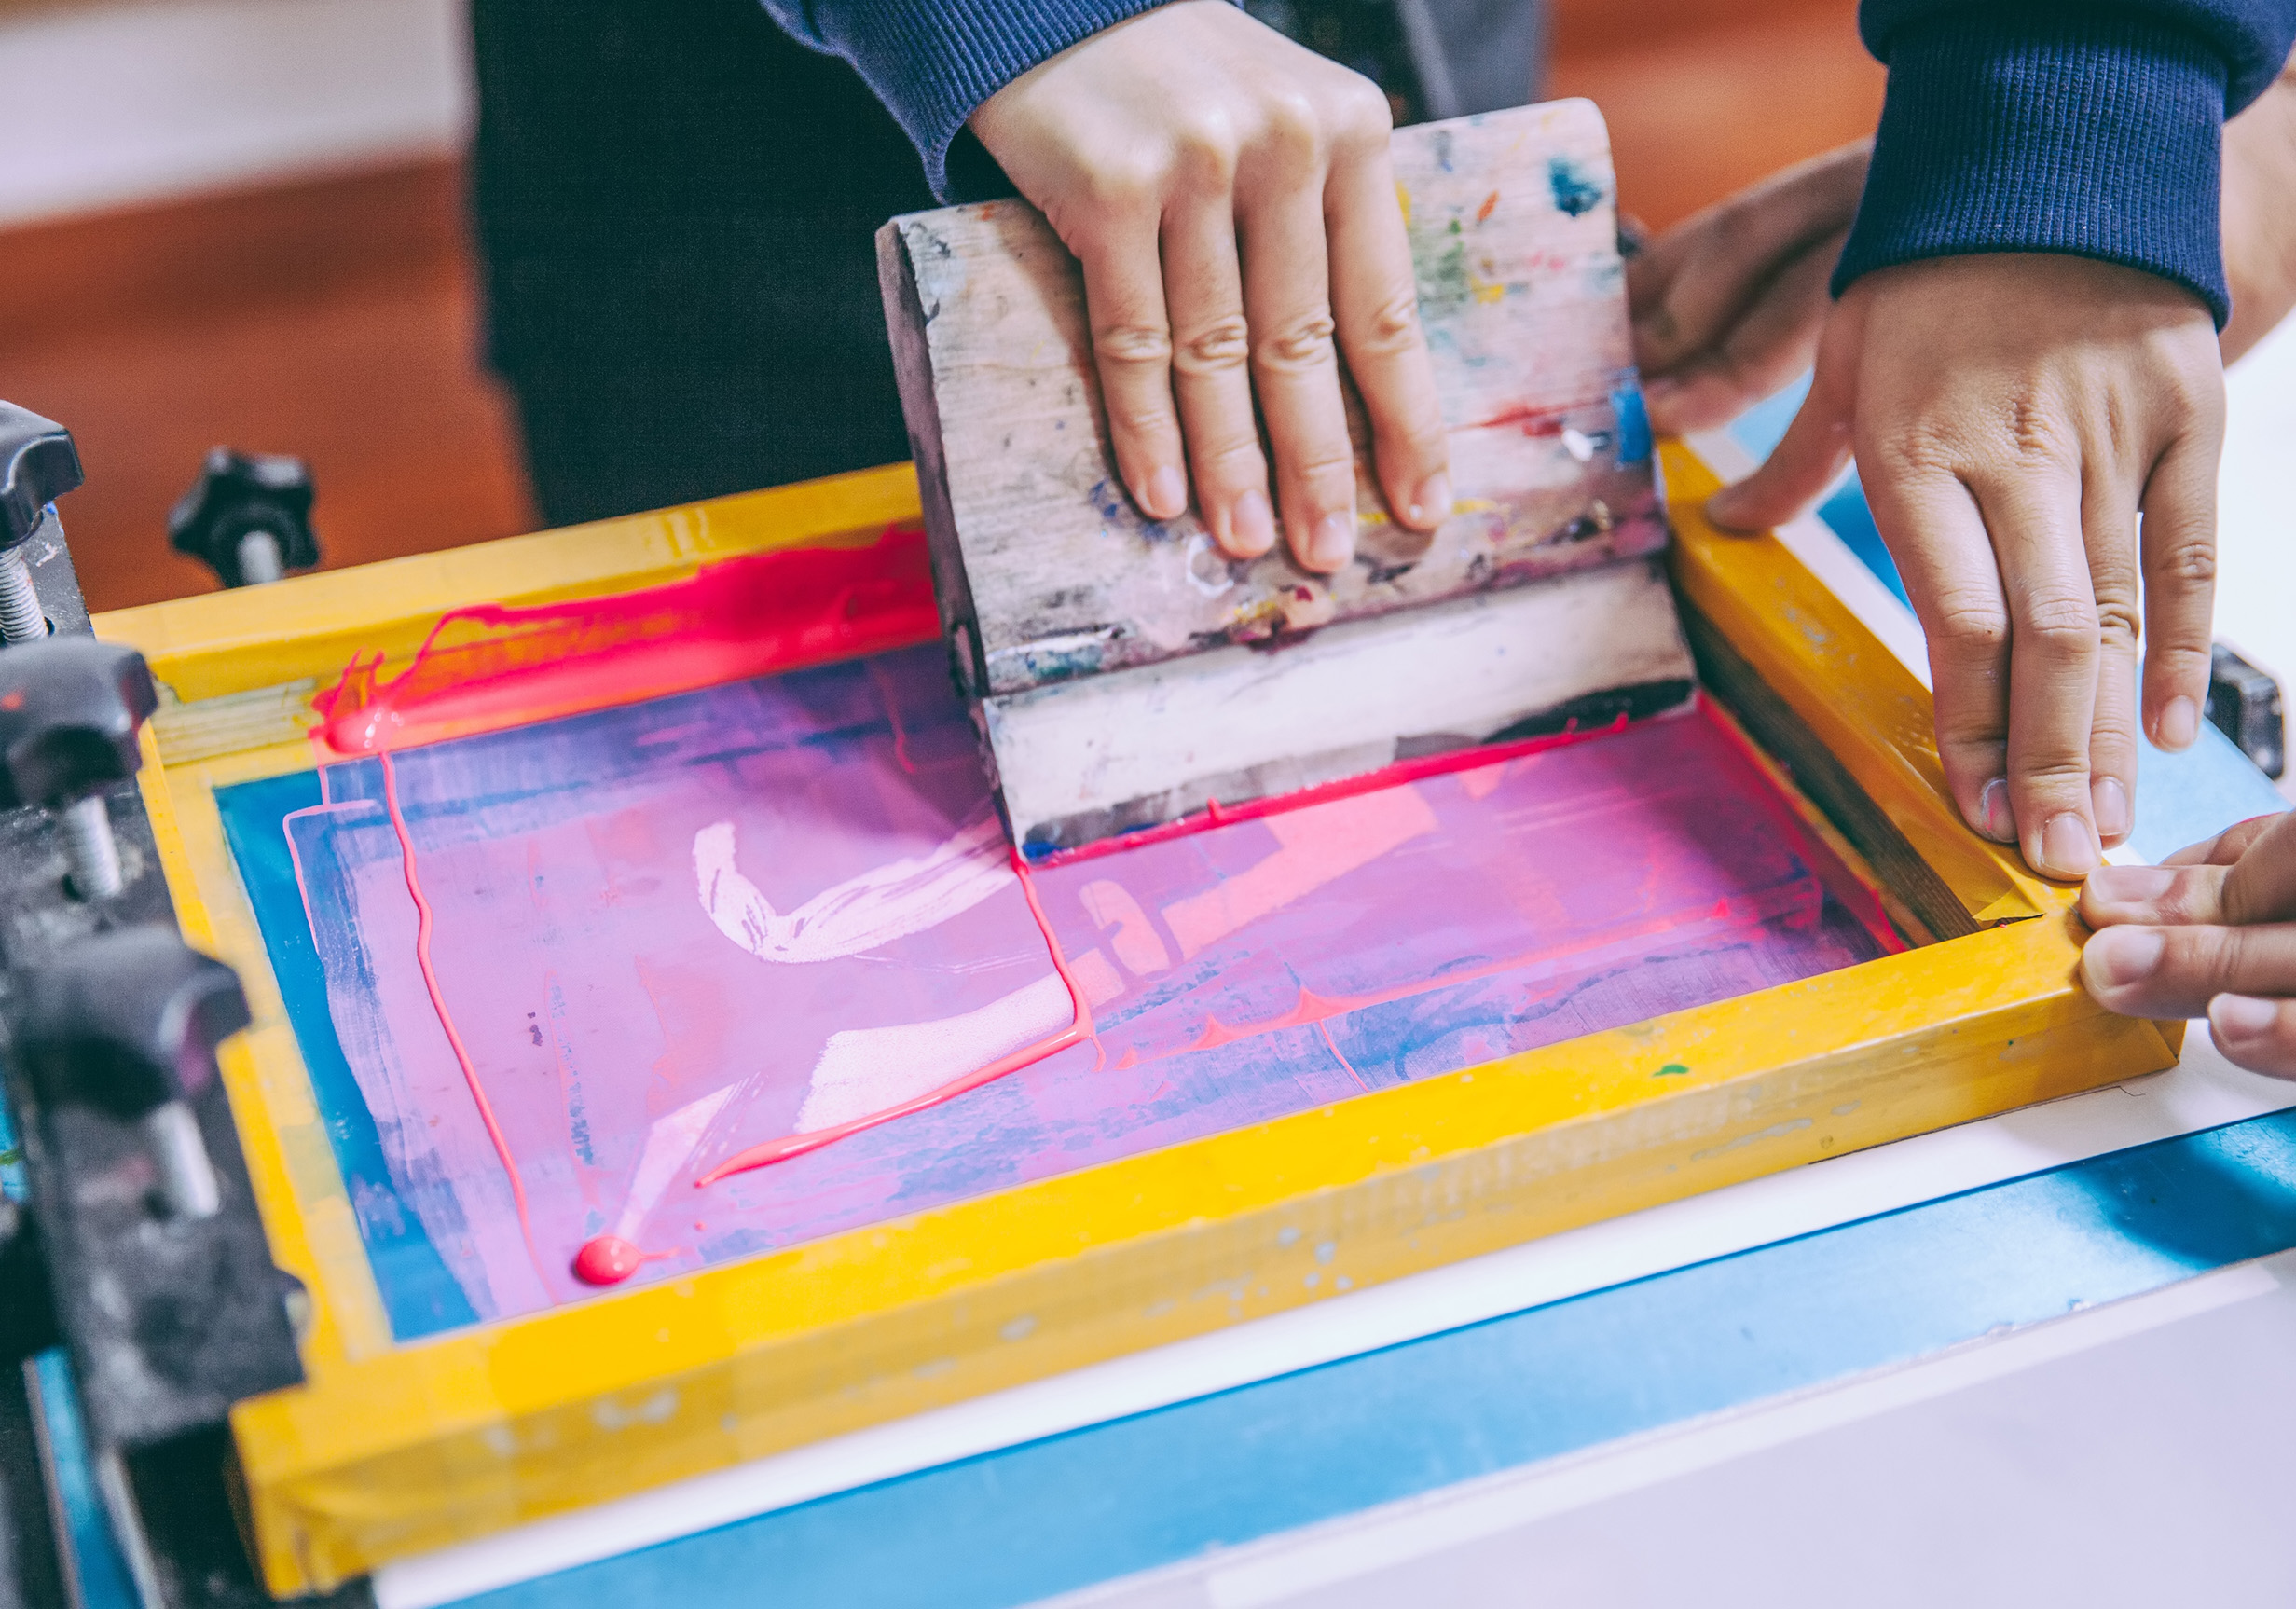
(1049, 577)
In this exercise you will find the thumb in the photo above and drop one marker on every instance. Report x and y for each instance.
(1816, 444)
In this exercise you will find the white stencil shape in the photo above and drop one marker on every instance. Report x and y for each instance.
(862, 1071)
(882, 904)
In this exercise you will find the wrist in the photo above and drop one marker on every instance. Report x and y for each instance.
(2074, 130)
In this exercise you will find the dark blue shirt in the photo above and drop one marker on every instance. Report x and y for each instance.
(2088, 127)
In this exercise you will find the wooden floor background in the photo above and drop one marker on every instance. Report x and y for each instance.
(337, 318)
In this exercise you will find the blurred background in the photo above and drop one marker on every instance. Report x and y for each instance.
(244, 222)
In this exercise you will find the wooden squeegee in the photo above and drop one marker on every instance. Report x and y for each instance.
(1125, 673)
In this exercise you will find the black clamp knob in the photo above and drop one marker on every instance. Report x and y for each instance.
(39, 464)
(129, 1022)
(71, 710)
(248, 518)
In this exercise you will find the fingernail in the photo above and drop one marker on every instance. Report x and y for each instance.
(2240, 1017)
(1994, 817)
(1432, 506)
(1167, 494)
(2068, 848)
(1251, 524)
(1333, 541)
(2119, 956)
(2131, 885)
(2110, 801)
(2179, 724)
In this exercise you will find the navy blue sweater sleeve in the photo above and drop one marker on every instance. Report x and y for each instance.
(932, 61)
(2094, 128)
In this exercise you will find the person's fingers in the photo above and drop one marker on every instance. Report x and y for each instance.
(1132, 348)
(2109, 532)
(2033, 515)
(2258, 1035)
(1211, 370)
(1776, 340)
(2261, 884)
(2227, 846)
(2179, 570)
(2153, 896)
(2244, 875)
(1700, 275)
(1816, 444)
(1375, 298)
(1931, 526)
(1296, 373)
(2142, 971)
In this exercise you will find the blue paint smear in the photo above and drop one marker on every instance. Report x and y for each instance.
(418, 1294)
(100, 1568)
(1575, 190)
(12, 1182)
(1633, 424)
(1848, 517)
(1220, 1470)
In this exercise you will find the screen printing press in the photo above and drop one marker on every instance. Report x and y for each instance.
(1343, 1250)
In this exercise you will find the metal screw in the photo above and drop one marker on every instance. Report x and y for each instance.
(186, 1176)
(87, 841)
(22, 619)
(259, 558)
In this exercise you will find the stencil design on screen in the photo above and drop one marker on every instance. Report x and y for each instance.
(676, 929)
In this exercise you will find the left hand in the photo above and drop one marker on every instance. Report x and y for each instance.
(2212, 930)
(1728, 304)
(2011, 415)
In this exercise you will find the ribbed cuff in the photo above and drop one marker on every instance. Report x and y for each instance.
(933, 62)
(2078, 130)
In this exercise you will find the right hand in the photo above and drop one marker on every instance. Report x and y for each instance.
(1229, 195)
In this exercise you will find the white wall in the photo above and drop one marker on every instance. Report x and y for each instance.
(114, 104)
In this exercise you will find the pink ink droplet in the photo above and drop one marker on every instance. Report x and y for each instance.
(607, 1259)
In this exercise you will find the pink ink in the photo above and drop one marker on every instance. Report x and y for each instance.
(607, 1259)
(446, 1018)
(1076, 1032)
(495, 665)
(1323, 1027)
(1215, 813)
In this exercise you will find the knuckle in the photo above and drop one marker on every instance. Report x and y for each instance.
(1204, 152)
(2036, 431)
(1391, 327)
(1326, 472)
(1360, 116)
(1296, 344)
(1133, 347)
(1222, 346)
(2057, 625)
(2185, 561)
(1971, 624)
(2118, 624)
(1236, 464)
(1292, 135)
(1923, 451)
(1131, 183)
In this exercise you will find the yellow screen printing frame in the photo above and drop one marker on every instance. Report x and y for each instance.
(392, 1449)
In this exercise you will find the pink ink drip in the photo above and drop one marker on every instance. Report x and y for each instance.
(609, 1259)
(1076, 1032)
(446, 1018)
(1323, 1027)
